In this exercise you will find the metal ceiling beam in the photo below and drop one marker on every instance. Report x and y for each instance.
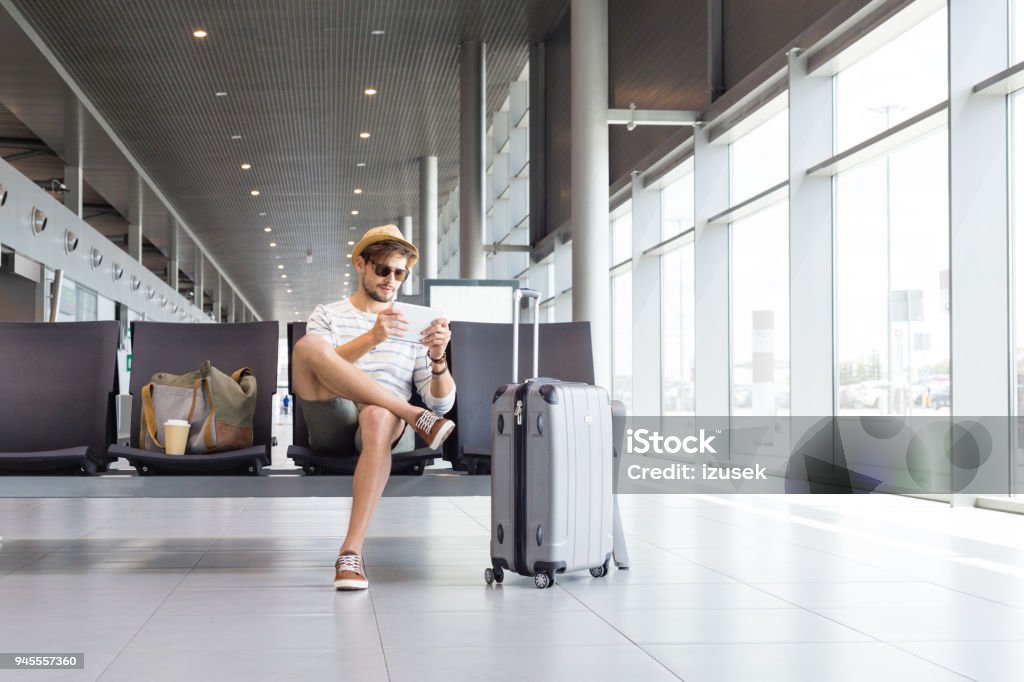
(716, 49)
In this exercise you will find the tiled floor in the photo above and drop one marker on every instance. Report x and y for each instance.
(721, 589)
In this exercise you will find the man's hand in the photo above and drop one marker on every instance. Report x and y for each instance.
(436, 338)
(390, 322)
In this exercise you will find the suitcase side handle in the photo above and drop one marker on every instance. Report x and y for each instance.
(531, 295)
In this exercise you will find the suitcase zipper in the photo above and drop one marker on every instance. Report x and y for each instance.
(519, 447)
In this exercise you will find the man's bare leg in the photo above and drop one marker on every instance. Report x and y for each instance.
(379, 429)
(318, 373)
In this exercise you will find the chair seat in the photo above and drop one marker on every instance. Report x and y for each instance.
(244, 461)
(411, 463)
(79, 460)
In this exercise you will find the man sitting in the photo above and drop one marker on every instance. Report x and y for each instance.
(353, 381)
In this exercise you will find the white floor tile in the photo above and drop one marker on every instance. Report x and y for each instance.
(804, 662)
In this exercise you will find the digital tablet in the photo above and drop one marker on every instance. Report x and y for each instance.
(419, 317)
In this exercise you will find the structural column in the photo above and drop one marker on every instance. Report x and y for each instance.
(173, 260)
(406, 226)
(217, 295)
(232, 308)
(428, 217)
(647, 337)
(589, 169)
(980, 351)
(711, 277)
(200, 282)
(812, 389)
(136, 208)
(472, 151)
(73, 157)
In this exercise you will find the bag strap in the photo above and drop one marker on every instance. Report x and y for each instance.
(192, 407)
(149, 414)
(239, 373)
(208, 425)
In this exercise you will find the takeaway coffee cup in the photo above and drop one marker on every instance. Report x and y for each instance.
(175, 436)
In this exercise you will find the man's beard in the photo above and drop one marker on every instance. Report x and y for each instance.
(373, 293)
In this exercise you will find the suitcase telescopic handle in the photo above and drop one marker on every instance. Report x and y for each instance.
(517, 296)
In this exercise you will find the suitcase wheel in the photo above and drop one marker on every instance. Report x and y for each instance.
(494, 575)
(542, 580)
(600, 571)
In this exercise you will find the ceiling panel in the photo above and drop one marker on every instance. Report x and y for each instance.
(294, 73)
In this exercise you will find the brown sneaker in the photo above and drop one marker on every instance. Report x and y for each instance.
(348, 572)
(433, 429)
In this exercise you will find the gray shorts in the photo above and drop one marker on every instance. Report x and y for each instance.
(334, 427)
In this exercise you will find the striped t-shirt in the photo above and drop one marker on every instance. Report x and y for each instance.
(396, 365)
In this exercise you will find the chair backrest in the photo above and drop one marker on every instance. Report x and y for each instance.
(300, 432)
(480, 356)
(58, 380)
(179, 348)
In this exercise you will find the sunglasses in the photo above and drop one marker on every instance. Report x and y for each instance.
(385, 270)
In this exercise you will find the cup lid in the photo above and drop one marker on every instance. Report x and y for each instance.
(176, 422)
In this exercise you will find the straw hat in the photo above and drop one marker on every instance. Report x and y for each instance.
(385, 233)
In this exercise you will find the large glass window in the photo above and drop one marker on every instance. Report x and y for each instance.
(1017, 213)
(678, 360)
(760, 159)
(892, 282)
(760, 312)
(677, 205)
(905, 77)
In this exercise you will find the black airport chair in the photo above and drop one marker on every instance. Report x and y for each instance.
(411, 463)
(180, 348)
(57, 413)
(481, 354)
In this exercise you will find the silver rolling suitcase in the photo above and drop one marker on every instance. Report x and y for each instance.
(551, 473)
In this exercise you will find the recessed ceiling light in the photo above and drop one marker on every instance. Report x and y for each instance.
(377, 32)
(280, 267)
(199, 33)
(284, 276)
(288, 291)
(351, 243)
(246, 166)
(266, 229)
(273, 244)
(364, 135)
(361, 164)
(346, 274)
(370, 91)
(348, 255)
(221, 94)
(355, 212)
(357, 191)
(236, 137)
(255, 192)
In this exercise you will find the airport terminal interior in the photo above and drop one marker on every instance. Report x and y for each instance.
(785, 229)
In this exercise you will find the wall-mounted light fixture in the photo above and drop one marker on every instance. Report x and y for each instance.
(95, 258)
(70, 241)
(38, 221)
